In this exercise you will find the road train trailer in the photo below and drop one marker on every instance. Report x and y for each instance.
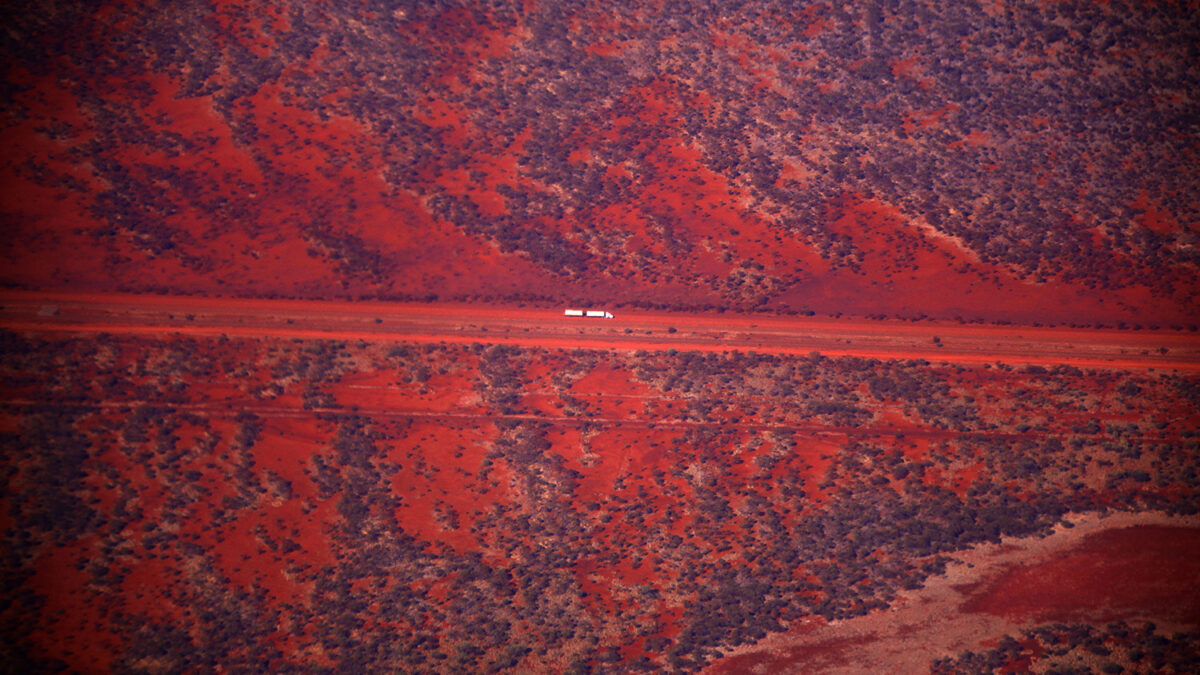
(588, 313)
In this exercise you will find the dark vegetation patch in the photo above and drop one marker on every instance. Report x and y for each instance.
(1079, 648)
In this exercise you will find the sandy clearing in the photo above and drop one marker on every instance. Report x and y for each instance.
(942, 619)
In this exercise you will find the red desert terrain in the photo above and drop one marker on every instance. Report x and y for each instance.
(903, 373)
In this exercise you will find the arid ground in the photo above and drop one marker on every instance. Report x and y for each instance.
(903, 374)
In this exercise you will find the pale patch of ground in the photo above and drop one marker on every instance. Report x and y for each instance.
(929, 623)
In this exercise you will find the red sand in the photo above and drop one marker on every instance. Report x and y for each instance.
(1140, 572)
(961, 343)
(1152, 570)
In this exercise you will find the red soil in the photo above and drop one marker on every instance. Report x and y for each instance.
(1141, 572)
(962, 343)
(295, 200)
(1148, 571)
(905, 270)
(308, 211)
(632, 448)
(72, 610)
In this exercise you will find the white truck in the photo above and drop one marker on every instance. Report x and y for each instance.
(588, 313)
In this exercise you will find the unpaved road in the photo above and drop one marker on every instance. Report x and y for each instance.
(630, 330)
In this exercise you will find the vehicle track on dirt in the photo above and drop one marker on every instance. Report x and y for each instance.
(373, 321)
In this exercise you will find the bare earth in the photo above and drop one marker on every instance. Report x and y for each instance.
(630, 330)
(952, 613)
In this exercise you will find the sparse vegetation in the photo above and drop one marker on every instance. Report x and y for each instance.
(730, 496)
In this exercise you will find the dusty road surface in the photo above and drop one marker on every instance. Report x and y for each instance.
(630, 330)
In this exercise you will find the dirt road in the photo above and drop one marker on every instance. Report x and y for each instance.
(630, 330)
